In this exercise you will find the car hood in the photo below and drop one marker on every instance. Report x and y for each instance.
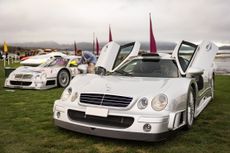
(121, 85)
(50, 72)
(35, 60)
(28, 69)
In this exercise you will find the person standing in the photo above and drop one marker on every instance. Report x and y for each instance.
(87, 58)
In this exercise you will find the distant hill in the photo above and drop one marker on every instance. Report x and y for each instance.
(87, 45)
(52, 44)
(161, 45)
(42, 44)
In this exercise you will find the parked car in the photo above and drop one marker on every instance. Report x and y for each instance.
(140, 97)
(40, 59)
(56, 71)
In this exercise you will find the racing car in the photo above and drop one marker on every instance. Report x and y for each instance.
(57, 71)
(143, 97)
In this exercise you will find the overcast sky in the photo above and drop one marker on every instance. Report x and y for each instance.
(64, 21)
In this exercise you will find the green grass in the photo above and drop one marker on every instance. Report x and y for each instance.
(26, 125)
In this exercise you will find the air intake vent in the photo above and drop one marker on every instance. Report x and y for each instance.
(111, 121)
(20, 83)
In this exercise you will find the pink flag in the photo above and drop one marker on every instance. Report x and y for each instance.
(97, 47)
(75, 48)
(153, 47)
(110, 35)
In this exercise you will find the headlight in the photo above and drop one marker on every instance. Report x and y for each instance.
(37, 77)
(159, 102)
(66, 94)
(74, 97)
(43, 76)
(142, 103)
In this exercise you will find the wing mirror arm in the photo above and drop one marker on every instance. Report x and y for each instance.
(100, 70)
(191, 72)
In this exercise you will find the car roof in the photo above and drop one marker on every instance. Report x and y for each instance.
(154, 56)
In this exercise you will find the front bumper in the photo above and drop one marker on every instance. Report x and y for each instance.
(112, 133)
(159, 124)
(27, 84)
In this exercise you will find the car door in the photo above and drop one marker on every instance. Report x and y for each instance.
(113, 55)
(189, 55)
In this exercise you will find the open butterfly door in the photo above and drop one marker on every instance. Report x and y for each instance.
(190, 56)
(113, 55)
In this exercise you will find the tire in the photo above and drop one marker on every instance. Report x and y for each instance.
(190, 109)
(63, 78)
(100, 70)
(213, 87)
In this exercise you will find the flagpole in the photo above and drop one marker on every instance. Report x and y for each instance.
(75, 48)
(93, 42)
(4, 61)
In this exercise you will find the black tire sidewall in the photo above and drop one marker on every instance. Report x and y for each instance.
(213, 87)
(187, 126)
(58, 78)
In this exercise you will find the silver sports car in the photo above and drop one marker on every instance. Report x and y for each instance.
(141, 97)
(57, 71)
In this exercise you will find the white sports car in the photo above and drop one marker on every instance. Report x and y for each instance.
(39, 59)
(57, 71)
(141, 98)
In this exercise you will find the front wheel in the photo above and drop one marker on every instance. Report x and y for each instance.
(63, 78)
(213, 88)
(190, 110)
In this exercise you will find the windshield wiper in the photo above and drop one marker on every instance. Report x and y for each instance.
(123, 73)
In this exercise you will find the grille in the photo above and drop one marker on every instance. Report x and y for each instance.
(18, 76)
(22, 83)
(23, 76)
(105, 100)
(112, 121)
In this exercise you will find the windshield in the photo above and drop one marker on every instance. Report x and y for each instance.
(55, 62)
(149, 68)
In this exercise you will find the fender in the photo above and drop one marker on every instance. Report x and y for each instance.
(70, 76)
(67, 71)
(194, 85)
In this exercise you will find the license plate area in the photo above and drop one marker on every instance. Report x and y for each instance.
(102, 112)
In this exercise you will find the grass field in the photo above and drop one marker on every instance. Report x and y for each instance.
(26, 125)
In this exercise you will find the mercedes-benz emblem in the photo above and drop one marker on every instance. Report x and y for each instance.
(108, 88)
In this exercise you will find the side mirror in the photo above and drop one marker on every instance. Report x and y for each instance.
(194, 71)
(100, 70)
(82, 68)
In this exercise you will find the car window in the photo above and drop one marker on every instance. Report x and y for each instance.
(149, 68)
(185, 54)
(124, 51)
(56, 62)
